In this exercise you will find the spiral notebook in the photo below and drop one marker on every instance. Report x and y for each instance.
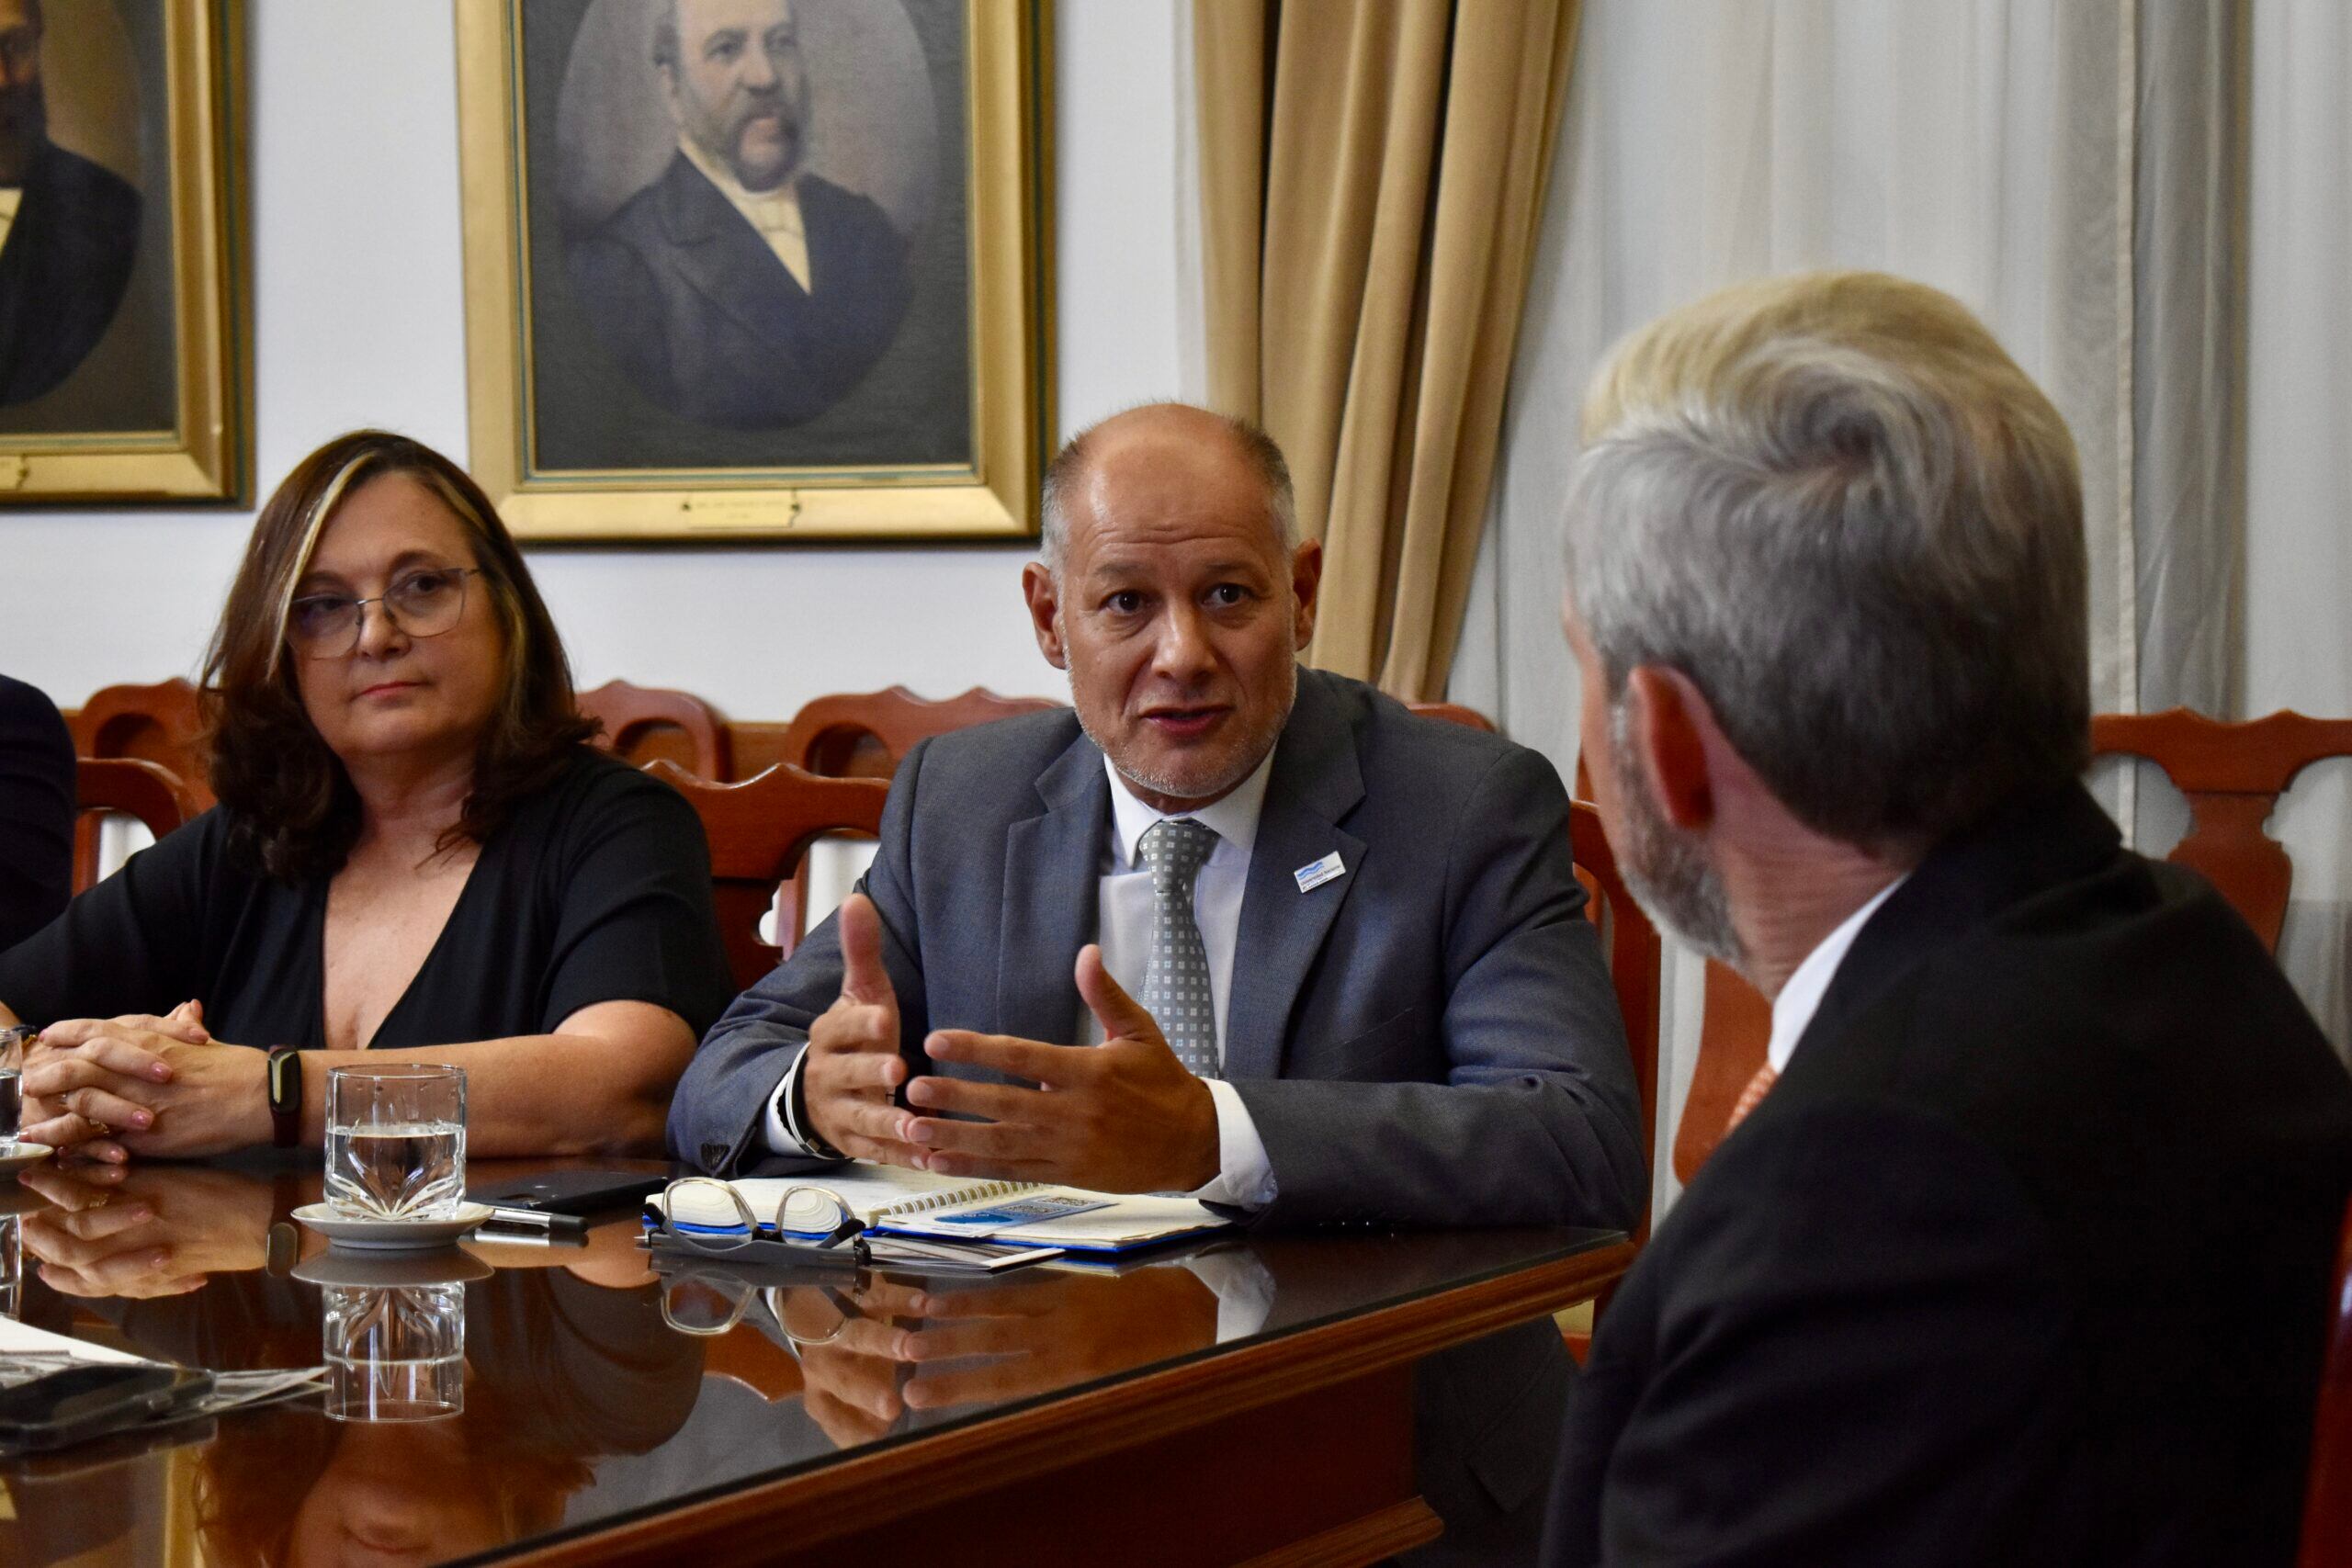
(894, 1202)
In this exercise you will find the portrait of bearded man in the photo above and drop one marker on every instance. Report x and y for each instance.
(740, 288)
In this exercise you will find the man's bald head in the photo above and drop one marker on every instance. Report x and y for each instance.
(1172, 433)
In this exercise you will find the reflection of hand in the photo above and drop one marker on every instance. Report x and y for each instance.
(85, 1075)
(984, 1344)
(113, 1232)
(153, 1092)
(1044, 1335)
(852, 1066)
(1126, 1116)
(851, 1351)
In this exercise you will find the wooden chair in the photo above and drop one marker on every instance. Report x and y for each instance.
(644, 724)
(149, 791)
(2232, 775)
(1735, 1027)
(1635, 955)
(758, 831)
(866, 734)
(2327, 1507)
(1635, 969)
(159, 723)
(1455, 713)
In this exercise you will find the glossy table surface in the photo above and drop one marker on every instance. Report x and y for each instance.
(601, 1386)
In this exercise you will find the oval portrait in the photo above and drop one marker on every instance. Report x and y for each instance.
(69, 205)
(741, 184)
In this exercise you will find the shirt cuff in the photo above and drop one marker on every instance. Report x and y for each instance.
(781, 1137)
(1244, 1179)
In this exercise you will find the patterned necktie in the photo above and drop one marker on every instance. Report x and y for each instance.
(1176, 987)
(1752, 1095)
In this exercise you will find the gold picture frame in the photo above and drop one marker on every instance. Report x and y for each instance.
(530, 308)
(160, 408)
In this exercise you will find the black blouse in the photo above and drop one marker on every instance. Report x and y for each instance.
(596, 890)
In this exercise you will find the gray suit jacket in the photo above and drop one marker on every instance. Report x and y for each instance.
(1429, 1039)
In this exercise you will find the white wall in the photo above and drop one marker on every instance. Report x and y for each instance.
(359, 320)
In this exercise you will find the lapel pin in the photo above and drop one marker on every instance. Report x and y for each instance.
(1315, 874)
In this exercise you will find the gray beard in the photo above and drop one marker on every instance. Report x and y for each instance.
(1665, 868)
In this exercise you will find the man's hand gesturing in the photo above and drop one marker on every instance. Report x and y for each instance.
(853, 1066)
(1124, 1116)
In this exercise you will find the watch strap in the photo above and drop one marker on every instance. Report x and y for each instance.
(285, 1084)
(796, 1114)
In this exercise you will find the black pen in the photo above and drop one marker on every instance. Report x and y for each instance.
(536, 1219)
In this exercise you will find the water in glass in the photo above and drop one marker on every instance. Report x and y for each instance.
(396, 1141)
(414, 1171)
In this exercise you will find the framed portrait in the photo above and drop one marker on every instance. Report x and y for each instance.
(124, 292)
(766, 269)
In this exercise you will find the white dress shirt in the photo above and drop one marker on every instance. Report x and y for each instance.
(11, 198)
(1124, 924)
(775, 213)
(1124, 904)
(1793, 1009)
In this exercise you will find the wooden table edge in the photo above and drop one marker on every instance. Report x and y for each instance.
(851, 1494)
(1372, 1539)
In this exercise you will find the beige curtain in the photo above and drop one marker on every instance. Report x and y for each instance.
(1372, 172)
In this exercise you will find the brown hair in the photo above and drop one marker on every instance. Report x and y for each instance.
(292, 810)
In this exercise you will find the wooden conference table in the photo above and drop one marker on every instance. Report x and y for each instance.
(1242, 1401)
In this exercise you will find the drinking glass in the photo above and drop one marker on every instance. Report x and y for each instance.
(13, 1042)
(12, 1264)
(394, 1353)
(396, 1141)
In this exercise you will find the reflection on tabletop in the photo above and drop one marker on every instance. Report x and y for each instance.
(585, 1384)
(877, 1349)
(558, 1357)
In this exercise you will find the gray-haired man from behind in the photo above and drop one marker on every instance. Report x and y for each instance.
(2020, 1252)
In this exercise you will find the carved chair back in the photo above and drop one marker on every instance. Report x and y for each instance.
(644, 724)
(132, 787)
(162, 723)
(759, 829)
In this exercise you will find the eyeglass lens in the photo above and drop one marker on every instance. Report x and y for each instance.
(707, 1213)
(422, 603)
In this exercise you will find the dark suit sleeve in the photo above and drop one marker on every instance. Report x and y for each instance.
(135, 942)
(717, 1114)
(1832, 1354)
(1538, 1121)
(36, 812)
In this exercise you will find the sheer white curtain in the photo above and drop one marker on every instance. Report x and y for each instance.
(2298, 550)
(1985, 146)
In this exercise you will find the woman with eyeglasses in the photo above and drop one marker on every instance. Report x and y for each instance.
(416, 854)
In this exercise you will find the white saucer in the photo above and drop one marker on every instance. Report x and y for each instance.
(381, 1268)
(14, 1156)
(391, 1235)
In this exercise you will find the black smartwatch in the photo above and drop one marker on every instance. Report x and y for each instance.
(284, 1069)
